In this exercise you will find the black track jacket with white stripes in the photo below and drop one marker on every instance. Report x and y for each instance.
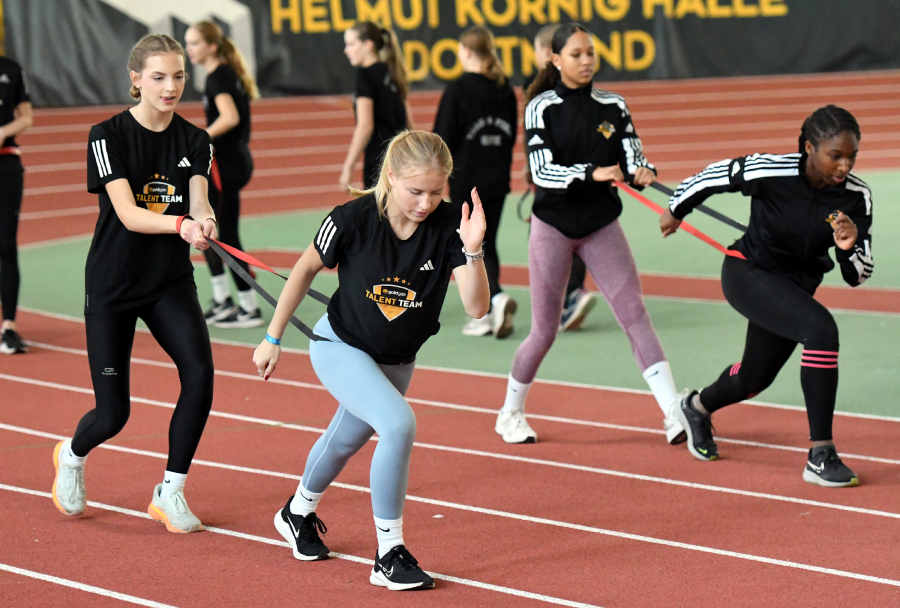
(789, 232)
(568, 133)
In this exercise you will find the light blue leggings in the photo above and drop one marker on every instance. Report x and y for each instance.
(370, 398)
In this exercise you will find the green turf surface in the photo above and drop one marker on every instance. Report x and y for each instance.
(700, 338)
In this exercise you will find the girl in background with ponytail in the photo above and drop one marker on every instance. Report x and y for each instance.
(226, 99)
(477, 118)
(379, 97)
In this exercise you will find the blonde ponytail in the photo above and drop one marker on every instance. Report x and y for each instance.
(388, 48)
(228, 54)
(409, 153)
(480, 40)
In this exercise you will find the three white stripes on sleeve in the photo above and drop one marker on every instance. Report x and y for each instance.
(326, 233)
(99, 148)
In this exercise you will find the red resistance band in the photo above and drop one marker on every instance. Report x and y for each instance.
(246, 257)
(684, 225)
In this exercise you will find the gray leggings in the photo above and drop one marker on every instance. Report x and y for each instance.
(370, 398)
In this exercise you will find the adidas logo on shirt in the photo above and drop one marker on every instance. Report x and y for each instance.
(184, 162)
(427, 266)
(535, 140)
(4, 78)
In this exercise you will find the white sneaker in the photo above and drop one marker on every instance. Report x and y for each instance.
(478, 327)
(514, 428)
(503, 308)
(173, 511)
(675, 433)
(69, 494)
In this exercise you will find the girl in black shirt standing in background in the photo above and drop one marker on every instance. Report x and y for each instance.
(15, 117)
(149, 167)
(226, 99)
(477, 119)
(579, 139)
(379, 97)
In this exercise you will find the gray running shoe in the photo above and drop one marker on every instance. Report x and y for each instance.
(173, 511)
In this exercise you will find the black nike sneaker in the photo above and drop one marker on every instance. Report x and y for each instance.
(699, 430)
(11, 343)
(824, 468)
(398, 570)
(302, 533)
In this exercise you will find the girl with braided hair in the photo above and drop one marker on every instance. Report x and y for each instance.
(802, 205)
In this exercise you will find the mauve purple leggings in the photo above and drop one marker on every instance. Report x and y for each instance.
(608, 258)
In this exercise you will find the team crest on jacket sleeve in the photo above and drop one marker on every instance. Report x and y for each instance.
(393, 297)
(607, 129)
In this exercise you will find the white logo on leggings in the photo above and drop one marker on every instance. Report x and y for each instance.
(109, 371)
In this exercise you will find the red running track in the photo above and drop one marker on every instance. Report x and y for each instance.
(540, 519)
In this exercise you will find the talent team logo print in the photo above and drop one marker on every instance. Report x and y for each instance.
(158, 195)
(607, 128)
(393, 297)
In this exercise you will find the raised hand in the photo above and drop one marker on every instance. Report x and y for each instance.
(472, 227)
(845, 232)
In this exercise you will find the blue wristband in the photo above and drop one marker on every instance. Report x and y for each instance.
(272, 340)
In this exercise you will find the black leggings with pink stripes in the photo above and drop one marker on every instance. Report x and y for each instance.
(782, 314)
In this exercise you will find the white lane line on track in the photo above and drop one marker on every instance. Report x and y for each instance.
(278, 543)
(74, 584)
(467, 408)
(484, 511)
(470, 452)
(465, 372)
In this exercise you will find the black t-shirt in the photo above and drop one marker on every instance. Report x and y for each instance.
(225, 80)
(126, 269)
(389, 110)
(477, 118)
(12, 93)
(391, 291)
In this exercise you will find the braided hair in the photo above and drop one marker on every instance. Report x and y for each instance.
(825, 123)
(549, 75)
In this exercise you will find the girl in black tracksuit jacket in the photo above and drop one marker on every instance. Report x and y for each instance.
(802, 205)
(477, 118)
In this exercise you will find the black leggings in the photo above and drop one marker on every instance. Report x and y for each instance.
(576, 276)
(493, 209)
(11, 184)
(235, 169)
(176, 321)
(781, 314)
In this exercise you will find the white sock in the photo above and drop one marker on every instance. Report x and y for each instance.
(172, 482)
(220, 288)
(305, 502)
(390, 534)
(516, 392)
(68, 456)
(659, 378)
(247, 300)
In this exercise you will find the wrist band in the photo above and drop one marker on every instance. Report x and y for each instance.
(180, 220)
(274, 341)
(473, 257)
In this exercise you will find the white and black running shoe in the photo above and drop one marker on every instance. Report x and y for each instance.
(398, 570)
(699, 430)
(219, 310)
(302, 533)
(11, 343)
(825, 468)
(239, 318)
